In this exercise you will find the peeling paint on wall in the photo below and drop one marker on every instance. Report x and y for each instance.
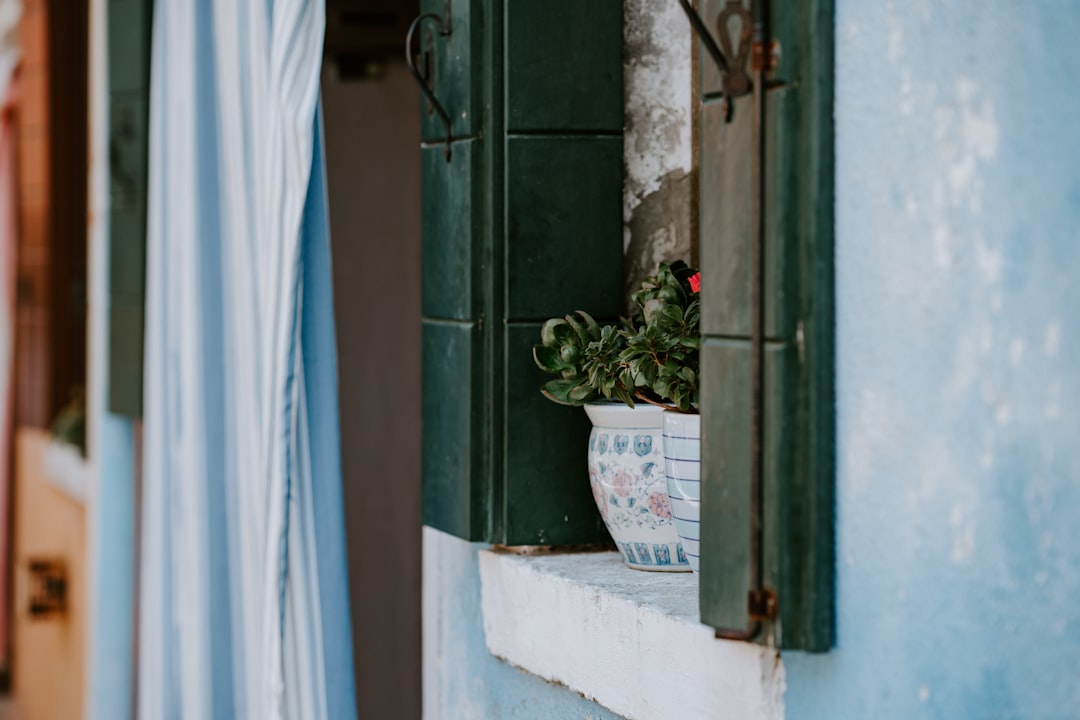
(660, 227)
(659, 185)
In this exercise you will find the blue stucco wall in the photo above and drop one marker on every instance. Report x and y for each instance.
(958, 365)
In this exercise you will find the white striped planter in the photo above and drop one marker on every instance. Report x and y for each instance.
(682, 465)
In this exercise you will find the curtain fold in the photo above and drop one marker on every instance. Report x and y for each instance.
(244, 605)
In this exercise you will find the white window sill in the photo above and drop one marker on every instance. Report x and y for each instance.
(66, 469)
(630, 640)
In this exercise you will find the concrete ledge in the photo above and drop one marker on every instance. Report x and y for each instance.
(629, 640)
(66, 469)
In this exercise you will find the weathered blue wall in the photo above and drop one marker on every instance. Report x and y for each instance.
(958, 365)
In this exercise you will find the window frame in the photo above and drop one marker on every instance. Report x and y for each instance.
(472, 393)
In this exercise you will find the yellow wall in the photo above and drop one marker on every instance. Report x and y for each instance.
(48, 654)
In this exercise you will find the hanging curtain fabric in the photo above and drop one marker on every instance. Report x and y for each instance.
(244, 600)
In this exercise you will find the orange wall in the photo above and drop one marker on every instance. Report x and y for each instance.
(48, 654)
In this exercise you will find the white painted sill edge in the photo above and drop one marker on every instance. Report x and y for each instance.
(66, 469)
(630, 640)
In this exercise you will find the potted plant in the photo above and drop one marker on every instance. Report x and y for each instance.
(663, 358)
(626, 376)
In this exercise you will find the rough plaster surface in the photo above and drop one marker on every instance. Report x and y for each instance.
(461, 679)
(629, 639)
(658, 191)
(958, 365)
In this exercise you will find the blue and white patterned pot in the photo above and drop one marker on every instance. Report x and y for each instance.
(682, 466)
(626, 471)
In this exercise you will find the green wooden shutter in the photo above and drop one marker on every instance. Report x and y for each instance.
(522, 224)
(798, 370)
(129, 84)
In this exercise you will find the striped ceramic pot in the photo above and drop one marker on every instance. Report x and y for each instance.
(682, 466)
(626, 471)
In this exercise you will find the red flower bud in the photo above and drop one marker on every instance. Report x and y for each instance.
(695, 282)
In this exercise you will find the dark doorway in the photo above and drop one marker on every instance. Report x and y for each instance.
(371, 119)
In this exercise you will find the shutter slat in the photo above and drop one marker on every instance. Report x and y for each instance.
(528, 226)
(798, 423)
(129, 84)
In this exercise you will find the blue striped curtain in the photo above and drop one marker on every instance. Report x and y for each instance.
(244, 607)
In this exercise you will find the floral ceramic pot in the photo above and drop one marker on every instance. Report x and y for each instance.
(626, 471)
(682, 466)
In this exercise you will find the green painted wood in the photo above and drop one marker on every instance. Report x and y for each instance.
(457, 76)
(725, 186)
(129, 24)
(725, 551)
(129, 45)
(452, 229)
(127, 256)
(461, 442)
(127, 262)
(806, 189)
(129, 134)
(547, 492)
(543, 90)
(564, 208)
(783, 440)
(453, 462)
(799, 435)
(725, 192)
(125, 358)
(517, 227)
(725, 491)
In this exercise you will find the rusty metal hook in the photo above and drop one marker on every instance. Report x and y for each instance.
(706, 37)
(730, 61)
(737, 81)
(443, 24)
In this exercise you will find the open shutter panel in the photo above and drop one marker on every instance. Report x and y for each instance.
(129, 84)
(798, 422)
(523, 223)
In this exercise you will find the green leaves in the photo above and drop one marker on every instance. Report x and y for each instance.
(564, 342)
(652, 357)
(662, 349)
(605, 371)
(571, 391)
(548, 358)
